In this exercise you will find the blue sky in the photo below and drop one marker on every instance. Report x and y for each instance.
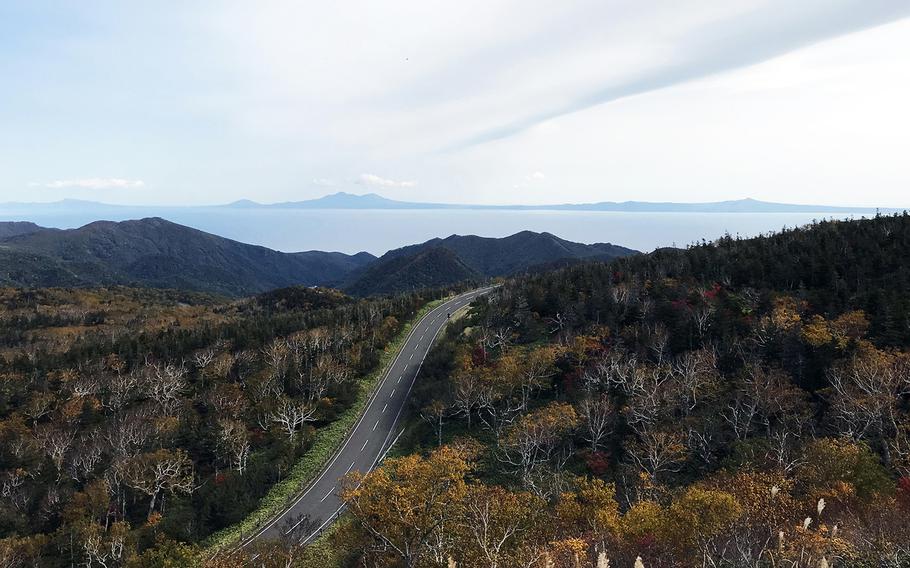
(475, 101)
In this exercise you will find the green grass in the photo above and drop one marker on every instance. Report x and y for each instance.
(326, 442)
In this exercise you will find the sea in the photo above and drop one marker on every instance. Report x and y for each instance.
(377, 231)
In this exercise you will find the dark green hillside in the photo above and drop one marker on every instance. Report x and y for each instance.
(431, 268)
(508, 255)
(472, 257)
(16, 228)
(158, 253)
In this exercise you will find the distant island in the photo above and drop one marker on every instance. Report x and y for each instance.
(373, 201)
(344, 200)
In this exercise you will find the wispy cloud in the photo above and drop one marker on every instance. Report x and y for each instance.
(324, 182)
(529, 180)
(92, 183)
(373, 179)
(762, 33)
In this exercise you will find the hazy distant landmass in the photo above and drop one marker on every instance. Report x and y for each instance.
(343, 200)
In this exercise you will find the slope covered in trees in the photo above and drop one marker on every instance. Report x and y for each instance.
(158, 253)
(739, 403)
(457, 258)
(136, 422)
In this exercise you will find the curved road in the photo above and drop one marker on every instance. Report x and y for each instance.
(372, 435)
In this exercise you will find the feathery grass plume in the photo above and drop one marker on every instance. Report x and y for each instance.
(823, 563)
(806, 523)
(834, 531)
(602, 560)
(774, 491)
(780, 541)
(452, 563)
(820, 506)
(639, 563)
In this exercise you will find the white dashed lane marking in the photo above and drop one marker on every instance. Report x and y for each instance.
(327, 495)
(384, 407)
(350, 468)
(365, 444)
(375, 425)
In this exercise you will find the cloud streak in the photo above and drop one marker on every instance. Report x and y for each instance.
(374, 180)
(93, 183)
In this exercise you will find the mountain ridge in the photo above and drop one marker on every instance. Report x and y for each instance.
(157, 253)
(473, 257)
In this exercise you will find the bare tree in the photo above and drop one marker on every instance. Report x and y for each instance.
(434, 414)
(106, 549)
(120, 390)
(234, 443)
(158, 471)
(55, 441)
(291, 414)
(86, 455)
(468, 392)
(658, 452)
(129, 435)
(597, 413)
(867, 396)
(164, 383)
(696, 373)
(536, 438)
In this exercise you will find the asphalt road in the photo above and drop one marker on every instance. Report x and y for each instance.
(372, 435)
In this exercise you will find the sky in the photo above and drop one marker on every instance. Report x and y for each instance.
(475, 101)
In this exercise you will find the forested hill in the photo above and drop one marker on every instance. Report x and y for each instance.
(744, 403)
(470, 256)
(429, 268)
(833, 265)
(16, 228)
(157, 253)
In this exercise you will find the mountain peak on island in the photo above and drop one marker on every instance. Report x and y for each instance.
(338, 200)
